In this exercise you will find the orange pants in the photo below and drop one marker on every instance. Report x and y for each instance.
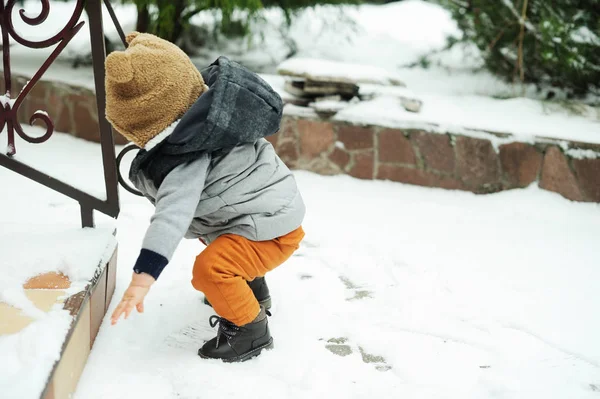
(223, 268)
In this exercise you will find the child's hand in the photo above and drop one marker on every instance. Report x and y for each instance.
(133, 296)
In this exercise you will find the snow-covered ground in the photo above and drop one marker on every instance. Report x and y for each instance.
(397, 291)
(34, 240)
(427, 293)
(40, 233)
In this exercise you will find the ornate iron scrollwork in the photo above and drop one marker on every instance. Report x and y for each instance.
(9, 106)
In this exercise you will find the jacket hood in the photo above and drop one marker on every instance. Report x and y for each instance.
(239, 107)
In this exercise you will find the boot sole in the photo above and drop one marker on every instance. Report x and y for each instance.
(246, 356)
(265, 303)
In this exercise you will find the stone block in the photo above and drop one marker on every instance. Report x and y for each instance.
(363, 166)
(436, 150)
(288, 152)
(395, 147)
(340, 157)
(588, 177)
(39, 91)
(315, 137)
(86, 126)
(417, 177)
(356, 137)
(64, 122)
(273, 139)
(558, 177)
(476, 162)
(521, 163)
(288, 130)
(322, 166)
(54, 107)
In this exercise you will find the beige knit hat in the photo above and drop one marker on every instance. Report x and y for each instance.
(149, 86)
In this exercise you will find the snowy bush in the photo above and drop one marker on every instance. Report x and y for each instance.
(549, 43)
(171, 19)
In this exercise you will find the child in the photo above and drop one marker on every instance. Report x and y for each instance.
(206, 167)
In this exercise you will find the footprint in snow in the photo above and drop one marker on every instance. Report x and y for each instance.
(358, 293)
(341, 347)
(191, 336)
(309, 244)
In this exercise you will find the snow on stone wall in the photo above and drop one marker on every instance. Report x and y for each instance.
(480, 162)
(450, 161)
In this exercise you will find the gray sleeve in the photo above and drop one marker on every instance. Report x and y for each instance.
(176, 202)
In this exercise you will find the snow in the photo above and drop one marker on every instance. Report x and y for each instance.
(329, 106)
(278, 82)
(430, 293)
(337, 71)
(49, 157)
(524, 118)
(377, 35)
(28, 357)
(40, 233)
(579, 153)
(71, 250)
(460, 295)
(585, 35)
(34, 241)
(447, 294)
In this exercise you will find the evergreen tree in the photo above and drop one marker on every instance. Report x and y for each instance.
(545, 42)
(169, 19)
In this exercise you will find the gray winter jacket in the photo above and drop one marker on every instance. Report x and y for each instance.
(209, 190)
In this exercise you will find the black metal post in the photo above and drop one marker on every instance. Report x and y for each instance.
(87, 216)
(94, 11)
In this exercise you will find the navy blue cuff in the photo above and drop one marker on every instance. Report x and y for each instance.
(150, 262)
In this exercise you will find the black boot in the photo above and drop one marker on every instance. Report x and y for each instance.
(238, 344)
(261, 292)
(259, 289)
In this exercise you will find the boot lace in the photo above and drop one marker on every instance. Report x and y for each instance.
(226, 328)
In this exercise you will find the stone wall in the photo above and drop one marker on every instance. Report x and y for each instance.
(450, 161)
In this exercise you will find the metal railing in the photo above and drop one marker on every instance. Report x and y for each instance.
(9, 123)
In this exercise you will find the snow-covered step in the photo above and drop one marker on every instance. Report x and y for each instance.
(48, 324)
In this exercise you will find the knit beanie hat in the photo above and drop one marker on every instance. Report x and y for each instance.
(149, 86)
